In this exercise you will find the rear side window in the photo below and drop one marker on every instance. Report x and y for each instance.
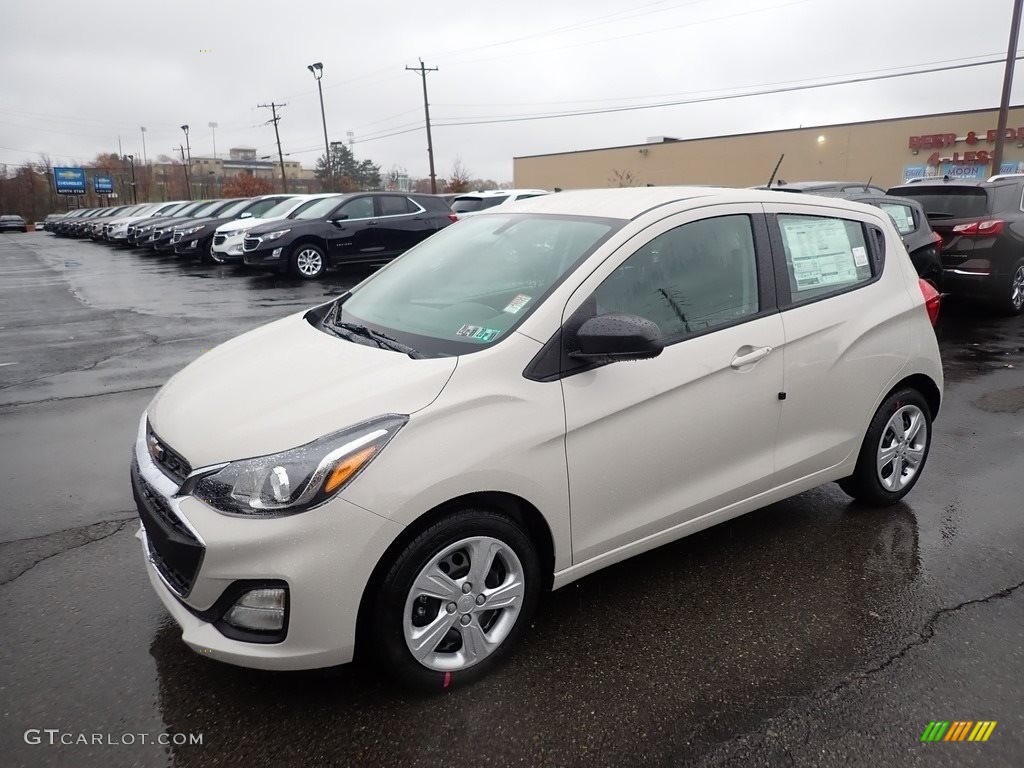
(689, 279)
(393, 206)
(469, 204)
(823, 254)
(902, 215)
(950, 202)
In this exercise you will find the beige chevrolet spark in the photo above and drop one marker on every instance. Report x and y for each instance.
(522, 399)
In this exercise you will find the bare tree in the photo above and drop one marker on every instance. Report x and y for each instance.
(459, 179)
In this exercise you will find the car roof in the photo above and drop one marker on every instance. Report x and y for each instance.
(631, 202)
(501, 193)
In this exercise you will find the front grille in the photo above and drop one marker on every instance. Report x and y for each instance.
(250, 243)
(176, 237)
(157, 234)
(169, 461)
(219, 239)
(953, 259)
(173, 548)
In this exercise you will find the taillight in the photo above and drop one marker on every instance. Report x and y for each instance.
(453, 217)
(985, 228)
(932, 299)
(937, 239)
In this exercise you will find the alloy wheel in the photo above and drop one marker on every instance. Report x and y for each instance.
(308, 262)
(901, 451)
(463, 604)
(1017, 289)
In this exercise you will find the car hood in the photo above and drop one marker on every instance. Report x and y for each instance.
(237, 225)
(276, 224)
(283, 385)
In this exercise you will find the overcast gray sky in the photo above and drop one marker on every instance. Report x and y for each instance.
(76, 76)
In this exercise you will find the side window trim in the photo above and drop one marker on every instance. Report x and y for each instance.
(778, 250)
(420, 208)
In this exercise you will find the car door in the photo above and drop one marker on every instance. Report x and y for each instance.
(656, 443)
(401, 223)
(846, 338)
(351, 233)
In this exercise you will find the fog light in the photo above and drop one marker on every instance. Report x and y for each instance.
(277, 253)
(260, 610)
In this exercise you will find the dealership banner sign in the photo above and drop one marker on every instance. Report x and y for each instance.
(103, 185)
(69, 181)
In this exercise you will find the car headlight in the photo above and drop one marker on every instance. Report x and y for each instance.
(297, 479)
(275, 235)
(237, 233)
(191, 230)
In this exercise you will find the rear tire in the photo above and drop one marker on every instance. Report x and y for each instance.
(1009, 297)
(307, 262)
(470, 559)
(894, 450)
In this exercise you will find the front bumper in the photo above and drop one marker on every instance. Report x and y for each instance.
(186, 247)
(270, 256)
(228, 249)
(325, 556)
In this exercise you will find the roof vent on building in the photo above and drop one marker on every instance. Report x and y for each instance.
(661, 139)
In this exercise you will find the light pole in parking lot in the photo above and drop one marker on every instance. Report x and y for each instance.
(188, 168)
(422, 71)
(318, 72)
(1004, 101)
(135, 193)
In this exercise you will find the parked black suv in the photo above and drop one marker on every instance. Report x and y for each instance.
(358, 227)
(911, 222)
(982, 229)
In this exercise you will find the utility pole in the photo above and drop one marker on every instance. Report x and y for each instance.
(135, 194)
(422, 70)
(188, 184)
(1004, 102)
(280, 156)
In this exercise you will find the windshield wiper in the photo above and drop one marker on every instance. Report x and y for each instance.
(380, 339)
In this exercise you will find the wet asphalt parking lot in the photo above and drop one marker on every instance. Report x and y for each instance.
(811, 632)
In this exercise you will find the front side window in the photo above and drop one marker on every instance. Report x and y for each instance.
(315, 209)
(689, 279)
(360, 208)
(470, 284)
(823, 254)
(260, 207)
(902, 215)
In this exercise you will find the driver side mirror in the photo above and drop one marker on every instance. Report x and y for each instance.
(613, 337)
(337, 219)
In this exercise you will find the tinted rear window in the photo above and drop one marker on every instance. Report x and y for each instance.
(467, 204)
(949, 202)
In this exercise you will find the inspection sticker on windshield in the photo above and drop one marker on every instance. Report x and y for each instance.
(468, 330)
(520, 301)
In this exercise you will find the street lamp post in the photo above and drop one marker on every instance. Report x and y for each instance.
(188, 168)
(213, 130)
(135, 193)
(317, 70)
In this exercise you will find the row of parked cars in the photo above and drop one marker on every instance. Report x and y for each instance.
(964, 237)
(301, 234)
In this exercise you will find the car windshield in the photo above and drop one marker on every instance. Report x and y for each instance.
(470, 284)
(234, 209)
(316, 209)
(470, 204)
(257, 208)
(283, 208)
(202, 209)
(949, 202)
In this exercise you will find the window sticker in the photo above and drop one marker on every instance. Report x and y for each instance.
(860, 256)
(517, 303)
(486, 334)
(820, 252)
(468, 330)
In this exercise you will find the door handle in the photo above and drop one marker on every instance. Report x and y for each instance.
(372, 222)
(750, 357)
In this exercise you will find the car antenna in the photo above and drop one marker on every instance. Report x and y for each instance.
(775, 170)
(867, 186)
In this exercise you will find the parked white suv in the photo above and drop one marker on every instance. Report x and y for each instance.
(518, 401)
(472, 203)
(228, 237)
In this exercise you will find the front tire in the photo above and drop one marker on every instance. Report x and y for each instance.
(307, 262)
(894, 450)
(456, 600)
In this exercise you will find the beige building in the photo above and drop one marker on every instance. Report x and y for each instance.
(209, 171)
(957, 144)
